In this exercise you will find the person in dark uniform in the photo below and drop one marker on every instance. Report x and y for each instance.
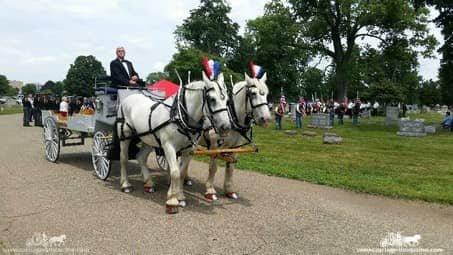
(38, 105)
(28, 108)
(122, 71)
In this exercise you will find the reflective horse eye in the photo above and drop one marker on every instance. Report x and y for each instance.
(261, 93)
(222, 97)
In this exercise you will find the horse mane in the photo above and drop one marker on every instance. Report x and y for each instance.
(196, 85)
(238, 86)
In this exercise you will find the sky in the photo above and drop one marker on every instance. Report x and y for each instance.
(40, 39)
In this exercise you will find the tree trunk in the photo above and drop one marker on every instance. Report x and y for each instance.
(341, 82)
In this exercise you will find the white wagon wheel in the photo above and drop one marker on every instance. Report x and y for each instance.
(99, 151)
(162, 162)
(51, 138)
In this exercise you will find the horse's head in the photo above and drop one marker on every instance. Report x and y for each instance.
(216, 97)
(257, 92)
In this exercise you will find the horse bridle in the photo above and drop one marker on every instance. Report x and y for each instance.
(183, 111)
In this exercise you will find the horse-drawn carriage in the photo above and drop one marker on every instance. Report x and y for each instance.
(172, 128)
(63, 131)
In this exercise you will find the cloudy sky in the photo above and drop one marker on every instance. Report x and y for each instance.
(41, 38)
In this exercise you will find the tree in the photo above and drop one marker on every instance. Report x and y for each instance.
(80, 78)
(332, 28)
(58, 88)
(429, 92)
(208, 28)
(29, 88)
(156, 76)
(274, 38)
(394, 65)
(313, 84)
(48, 85)
(4, 85)
(445, 22)
(190, 59)
(12, 91)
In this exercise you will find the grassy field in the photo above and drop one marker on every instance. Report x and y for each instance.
(372, 159)
(4, 110)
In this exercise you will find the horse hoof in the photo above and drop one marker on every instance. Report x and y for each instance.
(171, 209)
(182, 203)
(127, 189)
(188, 182)
(211, 197)
(232, 195)
(149, 189)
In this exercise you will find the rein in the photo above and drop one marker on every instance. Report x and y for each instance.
(236, 124)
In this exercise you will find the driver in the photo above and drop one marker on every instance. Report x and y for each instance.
(122, 71)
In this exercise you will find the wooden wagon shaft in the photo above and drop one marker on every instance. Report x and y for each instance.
(220, 151)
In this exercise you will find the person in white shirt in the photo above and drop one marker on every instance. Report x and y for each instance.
(64, 107)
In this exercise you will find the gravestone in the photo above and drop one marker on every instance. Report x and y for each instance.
(430, 129)
(366, 114)
(309, 133)
(292, 109)
(411, 128)
(392, 115)
(426, 109)
(290, 132)
(332, 138)
(320, 120)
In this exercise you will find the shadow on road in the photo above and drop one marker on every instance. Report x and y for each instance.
(194, 194)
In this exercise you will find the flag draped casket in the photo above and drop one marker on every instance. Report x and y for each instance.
(164, 88)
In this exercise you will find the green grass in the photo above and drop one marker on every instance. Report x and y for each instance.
(372, 159)
(4, 110)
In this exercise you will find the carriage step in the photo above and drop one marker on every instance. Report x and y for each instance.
(80, 142)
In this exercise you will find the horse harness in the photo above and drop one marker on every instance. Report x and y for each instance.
(242, 129)
(178, 115)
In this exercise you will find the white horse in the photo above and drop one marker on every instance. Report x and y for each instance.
(249, 103)
(173, 126)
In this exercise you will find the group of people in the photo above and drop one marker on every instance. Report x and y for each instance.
(33, 106)
(303, 109)
(32, 110)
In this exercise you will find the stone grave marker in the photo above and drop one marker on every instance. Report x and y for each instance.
(392, 115)
(320, 120)
(411, 128)
(366, 114)
(430, 129)
(332, 138)
(309, 133)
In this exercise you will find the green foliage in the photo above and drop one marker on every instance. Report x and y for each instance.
(58, 88)
(274, 37)
(394, 65)
(80, 78)
(29, 88)
(429, 93)
(313, 84)
(4, 85)
(15, 109)
(332, 28)
(209, 29)
(190, 59)
(48, 85)
(156, 76)
(12, 91)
